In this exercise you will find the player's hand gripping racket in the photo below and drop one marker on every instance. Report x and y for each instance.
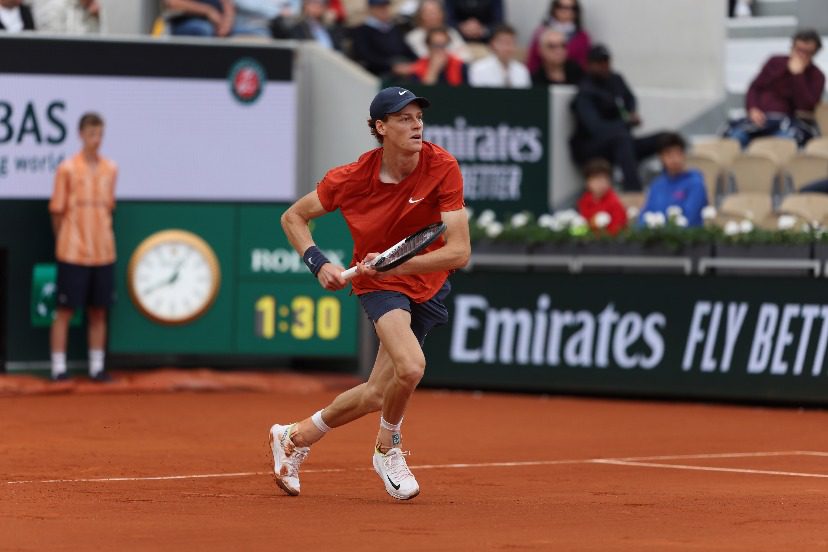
(401, 252)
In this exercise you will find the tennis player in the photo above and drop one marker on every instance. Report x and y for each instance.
(389, 193)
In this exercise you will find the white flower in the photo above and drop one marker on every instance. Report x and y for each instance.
(486, 217)
(731, 228)
(566, 216)
(709, 213)
(546, 221)
(578, 222)
(601, 219)
(632, 212)
(681, 221)
(653, 219)
(786, 222)
(745, 227)
(494, 229)
(519, 220)
(674, 211)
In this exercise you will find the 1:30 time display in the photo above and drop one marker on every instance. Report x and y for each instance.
(303, 317)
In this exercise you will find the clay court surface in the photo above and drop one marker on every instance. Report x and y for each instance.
(142, 469)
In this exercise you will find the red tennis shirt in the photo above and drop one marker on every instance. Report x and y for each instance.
(380, 214)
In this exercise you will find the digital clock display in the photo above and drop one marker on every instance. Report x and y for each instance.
(296, 318)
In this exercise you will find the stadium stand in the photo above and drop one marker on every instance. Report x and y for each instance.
(723, 149)
(817, 146)
(712, 170)
(753, 206)
(781, 149)
(754, 172)
(810, 208)
(804, 169)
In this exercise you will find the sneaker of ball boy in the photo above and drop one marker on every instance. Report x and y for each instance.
(287, 458)
(394, 472)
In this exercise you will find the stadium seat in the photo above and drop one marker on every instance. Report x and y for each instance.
(806, 168)
(810, 208)
(724, 150)
(781, 149)
(711, 170)
(753, 206)
(753, 172)
(821, 115)
(632, 199)
(817, 146)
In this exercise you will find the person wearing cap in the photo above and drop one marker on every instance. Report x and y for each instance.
(605, 112)
(379, 45)
(388, 194)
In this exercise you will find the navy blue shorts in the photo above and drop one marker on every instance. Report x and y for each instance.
(81, 286)
(424, 316)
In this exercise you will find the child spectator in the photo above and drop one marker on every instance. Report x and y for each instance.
(67, 16)
(676, 185)
(564, 17)
(500, 69)
(432, 15)
(782, 98)
(379, 45)
(15, 17)
(599, 197)
(440, 67)
(475, 19)
(555, 67)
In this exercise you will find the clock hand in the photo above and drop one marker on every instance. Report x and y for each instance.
(169, 281)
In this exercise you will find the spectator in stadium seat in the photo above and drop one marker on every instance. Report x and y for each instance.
(676, 186)
(335, 11)
(81, 208)
(500, 69)
(555, 67)
(379, 45)
(440, 67)
(67, 16)
(475, 19)
(564, 17)
(605, 114)
(201, 17)
(431, 14)
(781, 100)
(15, 17)
(599, 197)
(310, 25)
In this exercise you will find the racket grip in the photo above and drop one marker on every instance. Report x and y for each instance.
(350, 273)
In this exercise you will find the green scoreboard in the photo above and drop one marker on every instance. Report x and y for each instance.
(223, 279)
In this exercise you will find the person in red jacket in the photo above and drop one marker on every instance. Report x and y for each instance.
(600, 205)
(440, 67)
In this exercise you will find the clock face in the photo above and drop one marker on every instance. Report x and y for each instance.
(173, 277)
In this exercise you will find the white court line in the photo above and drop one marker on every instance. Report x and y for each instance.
(709, 468)
(639, 461)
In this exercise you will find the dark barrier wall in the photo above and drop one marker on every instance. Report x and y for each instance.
(755, 339)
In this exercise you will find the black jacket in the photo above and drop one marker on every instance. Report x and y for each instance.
(601, 107)
(377, 51)
(28, 20)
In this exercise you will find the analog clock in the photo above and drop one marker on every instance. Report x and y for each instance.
(173, 277)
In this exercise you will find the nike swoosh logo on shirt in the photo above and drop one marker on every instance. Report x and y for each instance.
(412, 200)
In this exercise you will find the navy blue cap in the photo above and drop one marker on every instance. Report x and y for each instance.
(378, 2)
(392, 100)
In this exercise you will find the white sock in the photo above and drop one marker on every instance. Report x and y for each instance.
(96, 362)
(58, 364)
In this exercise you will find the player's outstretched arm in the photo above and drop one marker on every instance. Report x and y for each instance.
(295, 223)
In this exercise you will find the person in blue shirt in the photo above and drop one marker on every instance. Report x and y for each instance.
(676, 185)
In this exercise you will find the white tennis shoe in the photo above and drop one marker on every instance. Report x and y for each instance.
(287, 458)
(394, 472)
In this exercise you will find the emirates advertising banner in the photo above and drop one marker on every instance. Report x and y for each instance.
(745, 339)
(500, 138)
(183, 121)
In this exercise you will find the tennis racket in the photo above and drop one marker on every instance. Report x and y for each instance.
(402, 251)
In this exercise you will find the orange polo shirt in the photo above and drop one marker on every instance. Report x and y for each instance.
(380, 214)
(85, 198)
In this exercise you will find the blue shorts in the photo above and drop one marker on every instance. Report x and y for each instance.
(424, 316)
(81, 286)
